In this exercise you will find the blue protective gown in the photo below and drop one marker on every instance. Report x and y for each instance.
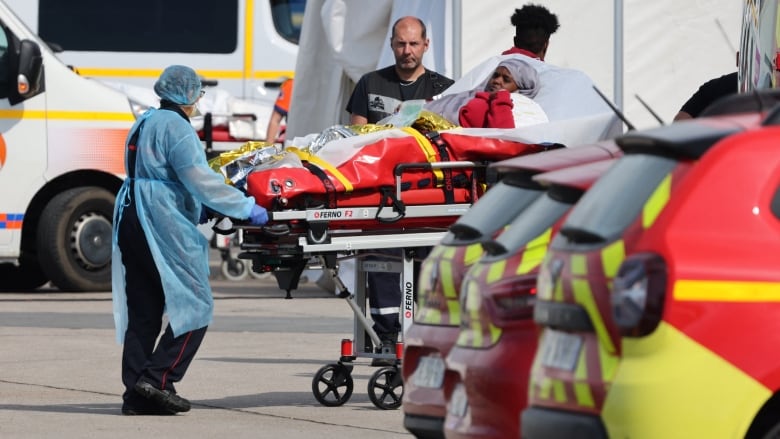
(172, 182)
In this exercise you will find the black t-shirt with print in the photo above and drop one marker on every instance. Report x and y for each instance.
(378, 94)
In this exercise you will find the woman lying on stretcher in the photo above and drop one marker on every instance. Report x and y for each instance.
(504, 100)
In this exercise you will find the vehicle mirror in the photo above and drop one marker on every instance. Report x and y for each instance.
(28, 80)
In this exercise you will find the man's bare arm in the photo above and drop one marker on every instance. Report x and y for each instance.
(357, 119)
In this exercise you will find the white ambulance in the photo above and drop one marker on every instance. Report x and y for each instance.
(62, 134)
(61, 162)
(246, 47)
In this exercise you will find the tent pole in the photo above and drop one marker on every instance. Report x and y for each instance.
(618, 54)
(457, 38)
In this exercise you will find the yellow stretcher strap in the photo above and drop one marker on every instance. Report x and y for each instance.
(322, 164)
(425, 145)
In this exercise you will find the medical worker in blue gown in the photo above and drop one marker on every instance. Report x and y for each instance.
(160, 259)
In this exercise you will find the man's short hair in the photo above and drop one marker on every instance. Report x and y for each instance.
(422, 25)
(533, 26)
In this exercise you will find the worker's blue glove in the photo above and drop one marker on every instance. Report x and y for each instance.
(258, 216)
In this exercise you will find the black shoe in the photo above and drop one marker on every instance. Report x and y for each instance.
(388, 340)
(165, 398)
(146, 411)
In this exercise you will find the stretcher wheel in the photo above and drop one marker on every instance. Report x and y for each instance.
(386, 388)
(332, 384)
(234, 270)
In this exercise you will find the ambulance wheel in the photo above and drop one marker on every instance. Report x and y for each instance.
(74, 239)
(234, 270)
(332, 384)
(386, 388)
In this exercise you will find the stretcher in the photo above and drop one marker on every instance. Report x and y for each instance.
(293, 238)
(332, 210)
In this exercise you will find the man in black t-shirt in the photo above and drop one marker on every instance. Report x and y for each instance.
(378, 94)
(708, 93)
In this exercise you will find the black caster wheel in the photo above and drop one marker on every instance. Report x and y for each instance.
(332, 384)
(234, 270)
(386, 388)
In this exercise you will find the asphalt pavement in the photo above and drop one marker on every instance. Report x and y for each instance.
(252, 378)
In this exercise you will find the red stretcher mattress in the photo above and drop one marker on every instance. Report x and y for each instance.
(365, 175)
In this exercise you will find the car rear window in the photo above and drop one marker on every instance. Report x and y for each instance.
(615, 200)
(500, 205)
(537, 218)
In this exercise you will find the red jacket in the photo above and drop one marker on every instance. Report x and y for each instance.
(518, 51)
(488, 110)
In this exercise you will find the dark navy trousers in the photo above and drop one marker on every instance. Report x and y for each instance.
(165, 364)
(385, 292)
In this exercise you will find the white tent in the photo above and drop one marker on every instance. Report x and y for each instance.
(668, 48)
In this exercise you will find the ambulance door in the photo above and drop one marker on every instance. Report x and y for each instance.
(22, 135)
(274, 31)
(759, 55)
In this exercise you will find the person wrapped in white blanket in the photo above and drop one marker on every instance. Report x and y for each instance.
(503, 100)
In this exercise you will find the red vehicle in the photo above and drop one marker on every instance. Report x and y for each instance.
(438, 316)
(487, 377)
(657, 301)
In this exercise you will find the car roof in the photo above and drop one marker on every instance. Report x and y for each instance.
(579, 177)
(558, 158)
(688, 138)
(755, 102)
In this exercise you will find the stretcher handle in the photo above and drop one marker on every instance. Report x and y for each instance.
(231, 116)
(426, 166)
(398, 205)
(225, 225)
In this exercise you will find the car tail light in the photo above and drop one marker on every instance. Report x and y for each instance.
(429, 290)
(638, 294)
(513, 298)
(489, 308)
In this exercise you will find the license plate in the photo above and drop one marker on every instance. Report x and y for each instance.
(429, 372)
(561, 349)
(458, 402)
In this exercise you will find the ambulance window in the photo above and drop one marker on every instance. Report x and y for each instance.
(187, 26)
(288, 18)
(615, 200)
(5, 68)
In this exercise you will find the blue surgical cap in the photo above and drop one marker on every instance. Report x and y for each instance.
(178, 84)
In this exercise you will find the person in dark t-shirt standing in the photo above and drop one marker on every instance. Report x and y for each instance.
(708, 93)
(378, 94)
